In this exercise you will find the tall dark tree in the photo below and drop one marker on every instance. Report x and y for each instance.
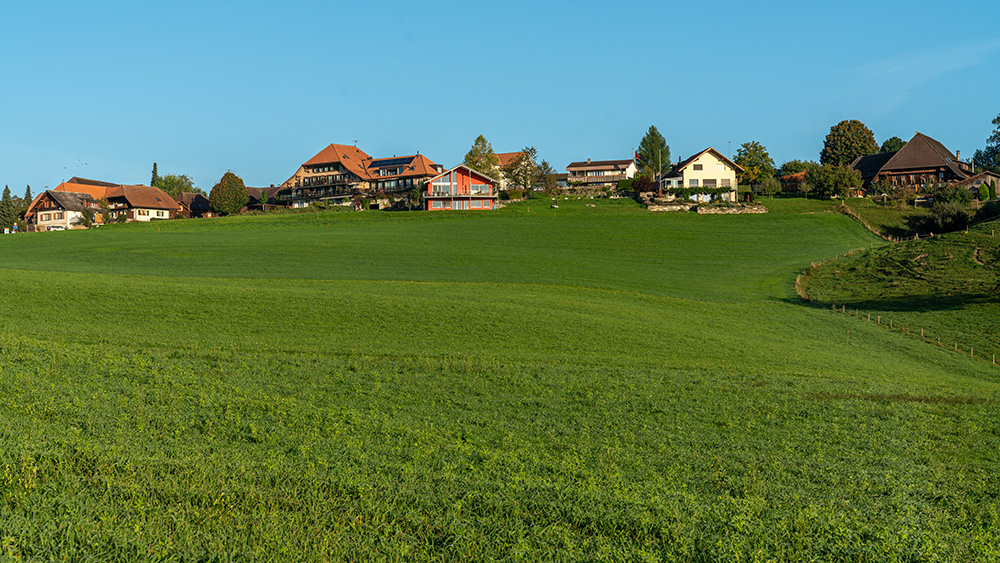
(846, 141)
(155, 179)
(545, 177)
(988, 158)
(482, 158)
(892, 144)
(229, 195)
(653, 153)
(756, 163)
(8, 211)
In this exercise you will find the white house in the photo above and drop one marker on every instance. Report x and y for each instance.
(708, 169)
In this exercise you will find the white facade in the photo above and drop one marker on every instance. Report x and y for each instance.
(708, 169)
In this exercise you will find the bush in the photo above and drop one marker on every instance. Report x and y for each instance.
(513, 193)
(952, 194)
(229, 195)
(984, 192)
(989, 211)
(947, 216)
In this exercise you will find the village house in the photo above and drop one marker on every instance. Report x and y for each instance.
(708, 169)
(460, 188)
(923, 161)
(600, 173)
(57, 210)
(193, 205)
(339, 172)
(134, 203)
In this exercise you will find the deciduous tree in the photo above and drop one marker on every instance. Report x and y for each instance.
(795, 166)
(229, 195)
(833, 181)
(482, 158)
(521, 170)
(846, 141)
(755, 162)
(988, 158)
(892, 144)
(545, 177)
(653, 153)
(176, 184)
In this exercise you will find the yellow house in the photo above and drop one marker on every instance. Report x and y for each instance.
(708, 169)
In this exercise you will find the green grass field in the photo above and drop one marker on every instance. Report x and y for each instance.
(531, 384)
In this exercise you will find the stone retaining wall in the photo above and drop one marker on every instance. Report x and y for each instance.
(731, 210)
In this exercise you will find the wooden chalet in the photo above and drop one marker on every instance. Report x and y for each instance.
(52, 210)
(193, 205)
(923, 161)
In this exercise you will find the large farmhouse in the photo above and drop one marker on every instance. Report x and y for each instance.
(923, 161)
(339, 172)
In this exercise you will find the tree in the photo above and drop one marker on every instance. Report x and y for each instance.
(25, 203)
(8, 211)
(805, 187)
(755, 162)
(653, 153)
(993, 189)
(155, 179)
(833, 181)
(770, 186)
(796, 166)
(988, 158)
(984, 192)
(545, 177)
(229, 195)
(176, 184)
(521, 170)
(892, 144)
(846, 141)
(643, 184)
(482, 158)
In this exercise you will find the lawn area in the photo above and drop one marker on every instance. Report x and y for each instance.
(579, 383)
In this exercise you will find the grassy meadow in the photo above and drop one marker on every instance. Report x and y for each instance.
(528, 384)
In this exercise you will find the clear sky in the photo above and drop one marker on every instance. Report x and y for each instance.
(103, 89)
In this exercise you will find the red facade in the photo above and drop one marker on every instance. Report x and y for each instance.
(460, 188)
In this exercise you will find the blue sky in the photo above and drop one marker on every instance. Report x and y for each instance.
(103, 89)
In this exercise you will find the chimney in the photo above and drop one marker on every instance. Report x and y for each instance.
(958, 156)
(588, 161)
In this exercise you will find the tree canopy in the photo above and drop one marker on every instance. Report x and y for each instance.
(545, 177)
(482, 158)
(653, 153)
(229, 195)
(175, 184)
(892, 144)
(830, 181)
(795, 166)
(521, 170)
(846, 141)
(988, 158)
(756, 163)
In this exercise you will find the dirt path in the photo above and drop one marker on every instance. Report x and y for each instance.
(975, 257)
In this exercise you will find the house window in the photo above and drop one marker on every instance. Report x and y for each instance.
(697, 167)
(476, 204)
(436, 204)
(720, 167)
(693, 183)
(59, 215)
(710, 183)
(725, 183)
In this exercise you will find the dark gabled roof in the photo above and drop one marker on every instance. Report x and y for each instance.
(675, 170)
(70, 201)
(923, 152)
(600, 164)
(194, 201)
(86, 182)
(255, 193)
(869, 165)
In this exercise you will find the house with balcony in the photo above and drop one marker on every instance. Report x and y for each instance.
(921, 162)
(600, 173)
(460, 188)
(339, 172)
(707, 169)
(61, 210)
(133, 203)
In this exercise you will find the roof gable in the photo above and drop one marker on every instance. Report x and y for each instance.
(146, 197)
(923, 152)
(471, 171)
(680, 166)
(350, 157)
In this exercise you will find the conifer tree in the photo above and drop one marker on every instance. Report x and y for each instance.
(8, 211)
(155, 180)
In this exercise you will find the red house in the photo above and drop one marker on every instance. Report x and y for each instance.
(460, 188)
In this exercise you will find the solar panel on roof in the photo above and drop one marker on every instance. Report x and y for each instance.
(397, 161)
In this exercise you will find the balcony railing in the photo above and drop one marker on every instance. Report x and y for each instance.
(607, 179)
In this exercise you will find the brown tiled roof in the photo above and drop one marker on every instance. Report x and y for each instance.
(412, 165)
(95, 191)
(507, 157)
(70, 201)
(923, 152)
(270, 192)
(145, 197)
(795, 177)
(350, 157)
(622, 164)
